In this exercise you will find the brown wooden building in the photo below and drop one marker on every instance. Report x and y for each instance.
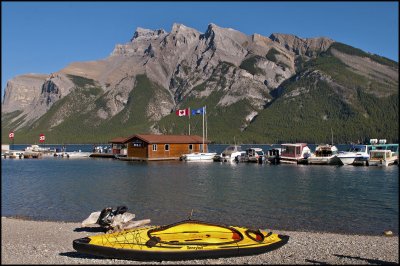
(158, 147)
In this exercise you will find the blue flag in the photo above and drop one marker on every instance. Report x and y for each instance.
(198, 111)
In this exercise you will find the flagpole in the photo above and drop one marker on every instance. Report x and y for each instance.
(189, 121)
(203, 131)
(205, 113)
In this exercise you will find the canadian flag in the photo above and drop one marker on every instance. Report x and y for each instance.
(182, 112)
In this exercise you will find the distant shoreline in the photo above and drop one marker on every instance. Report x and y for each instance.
(44, 242)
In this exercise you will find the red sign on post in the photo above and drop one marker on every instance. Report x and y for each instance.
(11, 135)
(42, 138)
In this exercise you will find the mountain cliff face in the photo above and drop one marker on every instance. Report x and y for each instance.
(241, 79)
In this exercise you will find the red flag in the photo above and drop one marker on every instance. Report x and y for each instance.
(182, 112)
(42, 138)
(11, 135)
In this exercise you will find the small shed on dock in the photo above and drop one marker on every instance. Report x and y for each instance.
(160, 147)
(119, 146)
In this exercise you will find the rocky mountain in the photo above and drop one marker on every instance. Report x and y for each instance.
(256, 89)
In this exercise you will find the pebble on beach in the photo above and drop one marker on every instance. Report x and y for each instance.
(388, 233)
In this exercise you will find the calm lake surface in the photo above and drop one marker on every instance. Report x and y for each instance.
(342, 199)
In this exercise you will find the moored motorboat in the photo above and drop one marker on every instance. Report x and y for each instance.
(203, 155)
(254, 155)
(184, 240)
(37, 148)
(73, 154)
(230, 154)
(382, 158)
(13, 154)
(199, 156)
(294, 153)
(273, 155)
(357, 154)
(325, 154)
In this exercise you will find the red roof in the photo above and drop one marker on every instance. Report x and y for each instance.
(162, 139)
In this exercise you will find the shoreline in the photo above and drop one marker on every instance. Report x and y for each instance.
(27, 241)
(394, 232)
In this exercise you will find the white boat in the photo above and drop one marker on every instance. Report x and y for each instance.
(254, 155)
(357, 154)
(230, 154)
(199, 156)
(13, 154)
(73, 154)
(294, 153)
(324, 154)
(37, 148)
(382, 158)
(203, 155)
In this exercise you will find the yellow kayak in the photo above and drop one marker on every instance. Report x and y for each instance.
(189, 239)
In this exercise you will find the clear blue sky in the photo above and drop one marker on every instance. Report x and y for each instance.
(44, 37)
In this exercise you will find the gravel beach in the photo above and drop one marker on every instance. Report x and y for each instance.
(42, 242)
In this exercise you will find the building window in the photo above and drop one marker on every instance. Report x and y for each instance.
(166, 147)
(190, 147)
(154, 147)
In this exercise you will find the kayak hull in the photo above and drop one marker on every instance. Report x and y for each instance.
(164, 244)
(145, 255)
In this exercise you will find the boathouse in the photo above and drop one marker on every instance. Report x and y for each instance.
(144, 147)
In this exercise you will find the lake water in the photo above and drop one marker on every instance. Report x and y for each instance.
(342, 199)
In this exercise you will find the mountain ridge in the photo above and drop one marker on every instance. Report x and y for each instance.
(221, 67)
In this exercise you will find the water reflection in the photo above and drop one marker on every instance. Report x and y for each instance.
(344, 199)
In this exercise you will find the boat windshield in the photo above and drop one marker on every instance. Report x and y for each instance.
(358, 149)
(234, 148)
